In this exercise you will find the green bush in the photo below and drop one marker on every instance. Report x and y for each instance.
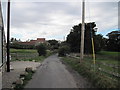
(63, 50)
(41, 49)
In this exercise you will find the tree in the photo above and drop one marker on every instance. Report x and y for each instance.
(53, 44)
(74, 38)
(12, 40)
(99, 42)
(41, 49)
(63, 50)
(113, 42)
(19, 40)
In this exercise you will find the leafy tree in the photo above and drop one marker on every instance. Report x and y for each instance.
(12, 39)
(41, 49)
(64, 43)
(19, 40)
(99, 42)
(74, 38)
(63, 50)
(53, 44)
(113, 42)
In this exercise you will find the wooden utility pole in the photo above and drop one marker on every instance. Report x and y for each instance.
(8, 37)
(82, 31)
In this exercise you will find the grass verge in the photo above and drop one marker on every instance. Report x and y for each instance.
(109, 55)
(99, 80)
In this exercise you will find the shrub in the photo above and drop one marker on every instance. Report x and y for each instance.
(41, 49)
(63, 50)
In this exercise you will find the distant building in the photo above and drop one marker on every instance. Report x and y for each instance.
(33, 42)
(114, 34)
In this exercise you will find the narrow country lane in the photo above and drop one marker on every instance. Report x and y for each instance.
(52, 74)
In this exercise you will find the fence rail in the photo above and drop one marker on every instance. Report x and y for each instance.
(108, 72)
(99, 67)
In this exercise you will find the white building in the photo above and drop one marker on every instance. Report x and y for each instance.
(2, 47)
(2, 41)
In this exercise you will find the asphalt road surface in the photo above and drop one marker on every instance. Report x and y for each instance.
(52, 74)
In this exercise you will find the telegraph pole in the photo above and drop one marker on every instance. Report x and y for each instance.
(8, 37)
(82, 31)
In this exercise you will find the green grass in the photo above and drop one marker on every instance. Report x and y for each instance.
(105, 57)
(37, 58)
(105, 60)
(23, 51)
(109, 55)
(28, 55)
(98, 79)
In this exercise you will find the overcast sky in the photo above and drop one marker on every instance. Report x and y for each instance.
(53, 20)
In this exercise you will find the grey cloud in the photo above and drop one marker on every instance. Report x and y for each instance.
(38, 12)
(40, 16)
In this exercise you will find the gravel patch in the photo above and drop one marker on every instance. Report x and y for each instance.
(17, 67)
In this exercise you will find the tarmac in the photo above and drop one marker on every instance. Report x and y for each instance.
(52, 74)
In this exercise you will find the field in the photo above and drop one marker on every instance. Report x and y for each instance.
(26, 55)
(23, 51)
(108, 55)
(104, 73)
(109, 61)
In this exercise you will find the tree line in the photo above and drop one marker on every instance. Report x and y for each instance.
(112, 43)
(72, 43)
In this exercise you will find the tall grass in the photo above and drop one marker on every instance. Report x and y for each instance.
(109, 55)
(103, 73)
(97, 78)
